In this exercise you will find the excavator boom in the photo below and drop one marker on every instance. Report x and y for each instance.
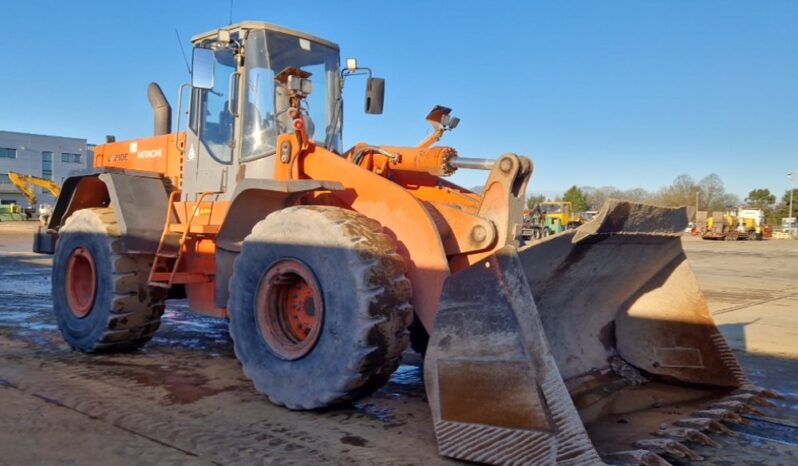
(25, 184)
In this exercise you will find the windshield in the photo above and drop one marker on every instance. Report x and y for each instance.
(553, 208)
(265, 112)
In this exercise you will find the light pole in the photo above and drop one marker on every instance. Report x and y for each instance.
(791, 176)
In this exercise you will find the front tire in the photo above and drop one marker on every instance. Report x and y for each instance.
(101, 298)
(319, 306)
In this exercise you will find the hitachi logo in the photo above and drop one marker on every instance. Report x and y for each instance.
(150, 154)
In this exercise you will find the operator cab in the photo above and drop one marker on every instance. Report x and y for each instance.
(239, 105)
(555, 208)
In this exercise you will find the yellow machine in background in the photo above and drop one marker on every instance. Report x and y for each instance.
(732, 225)
(558, 216)
(26, 184)
(11, 213)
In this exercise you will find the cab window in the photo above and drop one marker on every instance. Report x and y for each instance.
(214, 121)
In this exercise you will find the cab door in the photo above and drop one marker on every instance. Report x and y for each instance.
(210, 136)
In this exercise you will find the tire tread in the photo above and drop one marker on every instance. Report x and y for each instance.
(136, 308)
(383, 306)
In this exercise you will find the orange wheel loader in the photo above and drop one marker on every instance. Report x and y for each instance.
(328, 262)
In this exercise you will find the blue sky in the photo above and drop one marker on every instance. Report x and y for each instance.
(624, 93)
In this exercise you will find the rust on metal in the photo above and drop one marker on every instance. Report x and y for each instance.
(290, 309)
(467, 387)
(487, 316)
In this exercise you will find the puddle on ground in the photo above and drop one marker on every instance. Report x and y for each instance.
(182, 328)
(377, 413)
(407, 375)
(27, 281)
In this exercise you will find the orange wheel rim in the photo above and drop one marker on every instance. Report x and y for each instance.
(290, 309)
(81, 282)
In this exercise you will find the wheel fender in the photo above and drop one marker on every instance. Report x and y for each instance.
(139, 201)
(252, 201)
(77, 192)
(401, 214)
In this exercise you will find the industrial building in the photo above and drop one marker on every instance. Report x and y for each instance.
(51, 157)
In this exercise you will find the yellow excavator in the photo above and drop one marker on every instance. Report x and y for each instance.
(26, 184)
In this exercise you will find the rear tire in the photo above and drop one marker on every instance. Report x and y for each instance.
(101, 298)
(319, 306)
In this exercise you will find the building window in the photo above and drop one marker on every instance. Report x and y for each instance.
(4, 179)
(7, 153)
(70, 158)
(47, 165)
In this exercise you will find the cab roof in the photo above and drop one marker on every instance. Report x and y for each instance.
(260, 25)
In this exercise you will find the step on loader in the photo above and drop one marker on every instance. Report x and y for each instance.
(591, 346)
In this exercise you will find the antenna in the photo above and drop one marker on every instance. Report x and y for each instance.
(231, 12)
(183, 51)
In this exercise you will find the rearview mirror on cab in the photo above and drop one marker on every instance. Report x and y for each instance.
(375, 95)
(202, 68)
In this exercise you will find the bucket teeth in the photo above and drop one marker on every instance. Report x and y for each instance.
(763, 392)
(687, 434)
(737, 407)
(706, 423)
(722, 414)
(752, 399)
(635, 458)
(670, 447)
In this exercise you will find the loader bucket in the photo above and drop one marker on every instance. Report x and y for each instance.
(592, 345)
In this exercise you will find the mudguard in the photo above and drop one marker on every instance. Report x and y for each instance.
(139, 201)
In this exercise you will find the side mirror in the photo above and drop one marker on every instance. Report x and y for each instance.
(202, 68)
(375, 95)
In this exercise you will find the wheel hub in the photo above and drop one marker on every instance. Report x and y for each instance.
(290, 309)
(81, 282)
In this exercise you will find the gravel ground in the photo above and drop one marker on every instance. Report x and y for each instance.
(184, 400)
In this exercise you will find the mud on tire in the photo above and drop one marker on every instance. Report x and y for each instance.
(124, 311)
(365, 297)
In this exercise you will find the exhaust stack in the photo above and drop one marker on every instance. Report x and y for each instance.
(162, 111)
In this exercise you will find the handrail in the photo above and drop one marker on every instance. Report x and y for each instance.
(179, 110)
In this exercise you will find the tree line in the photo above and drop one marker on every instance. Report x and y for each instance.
(708, 193)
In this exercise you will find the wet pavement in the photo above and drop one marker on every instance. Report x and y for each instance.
(183, 399)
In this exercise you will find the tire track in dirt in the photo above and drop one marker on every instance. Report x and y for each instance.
(232, 427)
(123, 408)
(44, 431)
